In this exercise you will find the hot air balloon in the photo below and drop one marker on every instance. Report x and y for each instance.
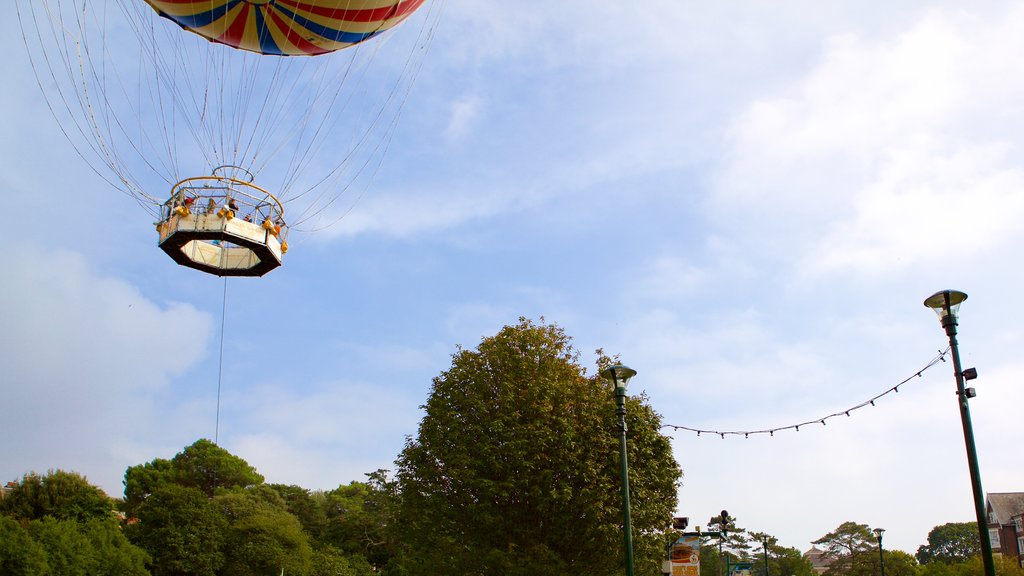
(241, 108)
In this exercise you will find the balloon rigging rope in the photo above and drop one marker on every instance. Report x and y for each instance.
(220, 361)
(410, 72)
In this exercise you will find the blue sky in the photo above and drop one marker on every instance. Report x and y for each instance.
(748, 203)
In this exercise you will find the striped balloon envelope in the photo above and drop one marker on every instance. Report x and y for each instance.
(287, 27)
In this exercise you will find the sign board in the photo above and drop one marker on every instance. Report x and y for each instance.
(740, 569)
(685, 556)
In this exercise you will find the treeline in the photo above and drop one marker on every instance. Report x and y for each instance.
(514, 471)
(205, 512)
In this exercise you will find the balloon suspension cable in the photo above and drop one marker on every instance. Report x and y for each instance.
(220, 361)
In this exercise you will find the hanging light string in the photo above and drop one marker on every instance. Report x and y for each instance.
(941, 357)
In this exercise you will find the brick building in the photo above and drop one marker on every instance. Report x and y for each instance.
(1006, 523)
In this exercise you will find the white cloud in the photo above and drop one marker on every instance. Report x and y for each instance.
(88, 355)
(873, 159)
(464, 113)
(286, 433)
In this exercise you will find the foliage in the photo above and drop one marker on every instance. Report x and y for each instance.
(20, 554)
(971, 567)
(951, 543)
(310, 508)
(262, 537)
(182, 530)
(360, 516)
(743, 546)
(789, 561)
(851, 549)
(203, 465)
(329, 561)
(93, 548)
(117, 556)
(60, 495)
(515, 467)
(899, 563)
(61, 524)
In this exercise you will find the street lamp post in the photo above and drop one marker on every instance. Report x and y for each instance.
(766, 555)
(619, 376)
(881, 559)
(946, 304)
(723, 533)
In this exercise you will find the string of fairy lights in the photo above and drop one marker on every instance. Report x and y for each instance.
(941, 357)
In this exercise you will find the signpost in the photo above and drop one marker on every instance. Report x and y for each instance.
(684, 557)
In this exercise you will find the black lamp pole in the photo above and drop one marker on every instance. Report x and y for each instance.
(766, 556)
(946, 304)
(620, 375)
(881, 558)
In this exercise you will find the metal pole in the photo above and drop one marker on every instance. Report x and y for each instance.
(720, 566)
(627, 528)
(766, 556)
(949, 323)
(881, 558)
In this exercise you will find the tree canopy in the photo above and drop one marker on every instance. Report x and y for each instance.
(515, 466)
(61, 524)
(59, 495)
(951, 543)
(847, 549)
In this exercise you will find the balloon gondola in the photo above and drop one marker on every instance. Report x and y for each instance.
(222, 225)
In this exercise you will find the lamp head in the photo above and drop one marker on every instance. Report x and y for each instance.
(619, 376)
(878, 533)
(946, 303)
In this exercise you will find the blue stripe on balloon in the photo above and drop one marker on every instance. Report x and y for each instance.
(200, 19)
(325, 32)
(267, 44)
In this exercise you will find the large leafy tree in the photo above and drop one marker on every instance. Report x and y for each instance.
(59, 495)
(182, 530)
(951, 543)
(515, 466)
(62, 524)
(852, 550)
(203, 466)
(262, 537)
(20, 554)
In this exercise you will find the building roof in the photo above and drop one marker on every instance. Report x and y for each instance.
(818, 562)
(1003, 506)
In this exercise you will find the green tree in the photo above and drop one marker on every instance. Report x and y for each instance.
(361, 518)
(309, 507)
(203, 466)
(262, 537)
(181, 530)
(899, 563)
(68, 551)
(96, 547)
(971, 567)
(20, 554)
(515, 466)
(116, 556)
(951, 543)
(788, 561)
(60, 495)
(851, 549)
(781, 560)
(329, 561)
(71, 526)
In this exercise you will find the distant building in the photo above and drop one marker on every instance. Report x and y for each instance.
(816, 557)
(1006, 523)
